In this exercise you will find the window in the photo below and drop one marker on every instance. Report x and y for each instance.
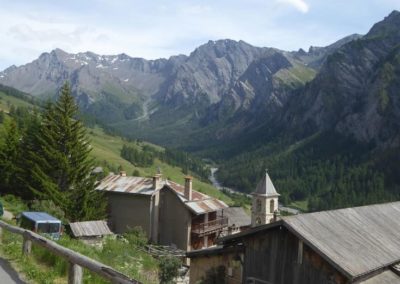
(48, 227)
(272, 206)
(258, 205)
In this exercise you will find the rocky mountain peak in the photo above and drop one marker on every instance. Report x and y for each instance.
(389, 26)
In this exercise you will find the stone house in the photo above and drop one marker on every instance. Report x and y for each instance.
(169, 213)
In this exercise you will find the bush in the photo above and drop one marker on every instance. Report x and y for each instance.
(49, 207)
(169, 266)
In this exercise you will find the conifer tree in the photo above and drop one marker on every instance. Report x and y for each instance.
(9, 155)
(60, 165)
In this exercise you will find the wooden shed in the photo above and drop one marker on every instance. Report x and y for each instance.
(90, 229)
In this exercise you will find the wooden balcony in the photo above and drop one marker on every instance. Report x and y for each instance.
(210, 227)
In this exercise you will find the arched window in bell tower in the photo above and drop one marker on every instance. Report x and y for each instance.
(258, 206)
(272, 206)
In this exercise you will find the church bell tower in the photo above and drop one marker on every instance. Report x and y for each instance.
(265, 202)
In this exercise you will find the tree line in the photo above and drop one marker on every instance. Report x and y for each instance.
(44, 155)
(145, 156)
(329, 172)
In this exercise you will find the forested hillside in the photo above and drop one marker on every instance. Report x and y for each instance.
(107, 149)
(324, 121)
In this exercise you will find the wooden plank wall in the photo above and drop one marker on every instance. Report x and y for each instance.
(273, 257)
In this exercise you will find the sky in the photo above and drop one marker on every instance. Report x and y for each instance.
(161, 28)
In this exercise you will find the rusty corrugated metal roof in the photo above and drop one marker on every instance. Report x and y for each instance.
(200, 203)
(90, 229)
(127, 184)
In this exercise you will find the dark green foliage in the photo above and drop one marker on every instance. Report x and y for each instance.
(239, 199)
(58, 166)
(145, 156)
(136, 157)
(187, 162)
(9, 156)
(9, 91)
(49, 207)
(169, 266)
(329, 171)
(2, 116)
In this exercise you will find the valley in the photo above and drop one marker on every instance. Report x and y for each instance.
(324, 121)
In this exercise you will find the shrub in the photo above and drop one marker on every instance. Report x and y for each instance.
(169, 266)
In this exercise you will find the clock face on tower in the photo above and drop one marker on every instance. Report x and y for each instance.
(258, 205)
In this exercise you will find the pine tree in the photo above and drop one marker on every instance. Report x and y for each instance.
(60, 165)
(9, 155)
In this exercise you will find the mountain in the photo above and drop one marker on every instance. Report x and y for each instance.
(356, 91)
(336, 142)
(219, 81)
(325, 121)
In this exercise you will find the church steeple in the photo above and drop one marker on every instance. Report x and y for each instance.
(265, 202)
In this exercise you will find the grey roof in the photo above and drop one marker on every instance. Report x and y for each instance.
(237, 216)
(90, 229)
(359, 239)
(266, 187)
(356, 241)
(386, 277)
(199, 204)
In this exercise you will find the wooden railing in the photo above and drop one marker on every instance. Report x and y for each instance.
(211, 226)
(76, 260)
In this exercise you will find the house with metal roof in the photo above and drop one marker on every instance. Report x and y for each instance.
(352, 245)
(169, 213)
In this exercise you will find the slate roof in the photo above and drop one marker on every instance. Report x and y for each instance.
(90, 229)
(237, 217)
(357, 241)
(200, 203)
(266, 187)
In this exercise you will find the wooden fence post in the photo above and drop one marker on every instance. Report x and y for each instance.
(76, 260)
(75, 274)
(26, 246)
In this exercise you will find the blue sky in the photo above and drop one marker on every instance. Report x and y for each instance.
(161, 28)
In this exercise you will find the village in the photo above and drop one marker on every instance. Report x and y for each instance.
(200, 142)
(221, 244)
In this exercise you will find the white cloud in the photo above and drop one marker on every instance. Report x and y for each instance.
(300, 5)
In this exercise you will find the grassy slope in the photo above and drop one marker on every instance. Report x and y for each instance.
(107, 148)
(6, 102)
(127, 256)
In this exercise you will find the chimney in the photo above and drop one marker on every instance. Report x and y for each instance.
(156, 181)
(122, 173)
(188, 188)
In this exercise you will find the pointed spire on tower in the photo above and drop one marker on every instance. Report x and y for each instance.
(266, 187)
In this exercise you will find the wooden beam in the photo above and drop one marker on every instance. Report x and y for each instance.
(27, 245)
(300, 252)
(75, 274)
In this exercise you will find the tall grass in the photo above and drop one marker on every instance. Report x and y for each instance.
(44, 267)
